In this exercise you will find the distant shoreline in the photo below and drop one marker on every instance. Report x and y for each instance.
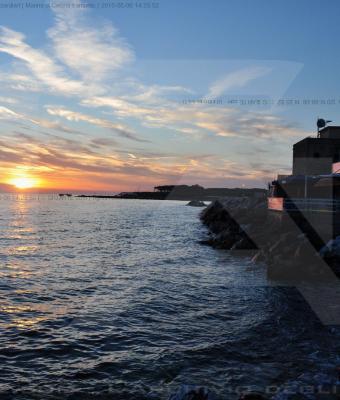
(180, 192)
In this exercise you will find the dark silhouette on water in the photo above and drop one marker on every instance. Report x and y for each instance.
(184, 192)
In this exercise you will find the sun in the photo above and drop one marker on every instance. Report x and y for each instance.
(24, 182)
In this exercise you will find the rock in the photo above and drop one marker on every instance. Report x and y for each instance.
(244, 244)
(196, 203)
(207, 242)
(331, 249)
(225, 240)
(290, 250)
(258, 257)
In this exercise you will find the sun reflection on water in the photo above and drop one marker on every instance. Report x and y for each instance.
(24, 316)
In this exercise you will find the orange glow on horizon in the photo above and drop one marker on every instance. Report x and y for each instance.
(24, 182)
(26, 178)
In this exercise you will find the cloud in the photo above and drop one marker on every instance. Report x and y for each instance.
(121, 107)
(119, 129)
(43, 67)
(103, 142)
(8, 100)
(58, 160)
(236, 79)
(197, 120)
(90, 67)
(154, 94)
(108, 53)
(70, 160)
(9, 156)
(8, 114)
(93, 52)
(20, 82)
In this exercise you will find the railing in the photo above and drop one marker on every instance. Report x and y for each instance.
(298, 204)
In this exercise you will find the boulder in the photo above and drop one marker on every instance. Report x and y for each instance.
(245, 223)
(244, 244)
(225, 240)
(196, 203)
(331, 249)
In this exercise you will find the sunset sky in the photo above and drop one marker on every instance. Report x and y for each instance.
(96, 99)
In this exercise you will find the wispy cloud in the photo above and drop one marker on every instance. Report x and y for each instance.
(43, 67)
(6, 113)
(87, 67)
(8, 100)
(64, 162)
(9, 114)
(236, 79)
(119, 129)
(197, 120)
(121, 107)
(93, 52)
(21, 82)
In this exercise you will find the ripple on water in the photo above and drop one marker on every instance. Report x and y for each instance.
(117, 299)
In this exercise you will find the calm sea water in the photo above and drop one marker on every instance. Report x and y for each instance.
(117, 299)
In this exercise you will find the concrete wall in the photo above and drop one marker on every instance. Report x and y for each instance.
(314, 156)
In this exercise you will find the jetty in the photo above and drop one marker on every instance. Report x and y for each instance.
(183, 192)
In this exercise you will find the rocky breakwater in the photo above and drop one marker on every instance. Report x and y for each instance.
(291, 249)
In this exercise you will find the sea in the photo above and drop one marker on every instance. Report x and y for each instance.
(118, 299)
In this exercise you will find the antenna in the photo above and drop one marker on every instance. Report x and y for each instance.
(321, 123)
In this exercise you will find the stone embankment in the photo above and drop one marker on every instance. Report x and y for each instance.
(290, 250)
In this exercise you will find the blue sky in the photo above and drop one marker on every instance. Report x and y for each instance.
(98, 99)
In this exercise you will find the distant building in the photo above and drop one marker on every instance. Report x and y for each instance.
(164, 188)
(199, 192)
(179, 189)
(316, 155)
